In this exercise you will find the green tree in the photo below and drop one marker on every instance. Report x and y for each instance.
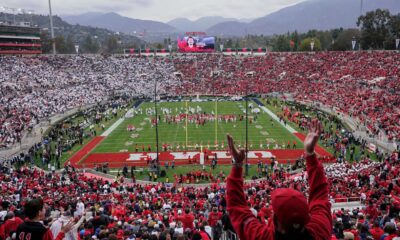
(46, 42)
(343, 40)
(374, 29)
(60, 44)
(111, 45)
(394, 31)
(237, 44)
(70, 44)
(306, 44)
(281, 44)
(295, 38)
(335, 33)
(325, 37)
(89, 45)
(159, 46)
(229, 43)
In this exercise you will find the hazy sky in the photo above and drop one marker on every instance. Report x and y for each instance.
(162, 10)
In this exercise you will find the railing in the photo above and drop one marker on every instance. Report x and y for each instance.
(20, 51)
(20, 45)
(347, 200)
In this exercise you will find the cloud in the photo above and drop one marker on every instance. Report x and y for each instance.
(162, 10)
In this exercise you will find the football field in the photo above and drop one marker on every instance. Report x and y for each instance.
(189, 125)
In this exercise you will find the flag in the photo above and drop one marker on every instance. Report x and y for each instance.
(229, 50)
(244, 50)
(260, 50)
(291, 44)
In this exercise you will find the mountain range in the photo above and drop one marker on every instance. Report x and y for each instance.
(311, 14)
(118, 23)
(201, 24)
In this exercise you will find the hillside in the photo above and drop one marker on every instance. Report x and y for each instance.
(312, 14)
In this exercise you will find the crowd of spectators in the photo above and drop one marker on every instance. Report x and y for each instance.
(36, 88)
(73, 206)
(113, 210)
(364, 85)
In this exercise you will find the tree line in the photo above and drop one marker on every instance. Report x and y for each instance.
(377, 30)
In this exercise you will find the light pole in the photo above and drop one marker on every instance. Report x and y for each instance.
(353, 43)
(52, 28)
(156, 113)
(312, 44)
(247, 130)
(170, 49)
(77, 48)
(120, 46)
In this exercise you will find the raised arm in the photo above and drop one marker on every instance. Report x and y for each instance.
(320, 208)
(244, 222)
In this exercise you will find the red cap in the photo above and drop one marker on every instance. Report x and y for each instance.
(290, 207)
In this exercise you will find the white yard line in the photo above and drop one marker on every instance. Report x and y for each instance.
(270, 113)
(112, 127)
(115, 125)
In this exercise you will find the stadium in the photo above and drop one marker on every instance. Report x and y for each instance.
(110, 134)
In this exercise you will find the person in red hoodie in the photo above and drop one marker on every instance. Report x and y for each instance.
(293, 217)
(187, 219)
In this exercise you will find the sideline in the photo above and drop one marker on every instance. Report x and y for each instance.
(270, 113)
(113, 127)
(116, 124)
(273, 115)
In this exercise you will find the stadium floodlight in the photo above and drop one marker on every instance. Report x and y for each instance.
(397, 43)
(156, 121)
(77, 48)
(120, 46)
(353, 43)
(52, 29)
(312, 44)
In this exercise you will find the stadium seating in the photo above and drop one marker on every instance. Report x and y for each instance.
(364, 85)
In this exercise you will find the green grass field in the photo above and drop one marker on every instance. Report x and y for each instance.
(260, 131)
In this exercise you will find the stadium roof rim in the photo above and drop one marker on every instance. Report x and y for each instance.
(19, 37)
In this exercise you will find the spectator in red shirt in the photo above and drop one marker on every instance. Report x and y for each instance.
(293, 217)
(187, 219)
(10, 225)
(213, 219)
(376, 231)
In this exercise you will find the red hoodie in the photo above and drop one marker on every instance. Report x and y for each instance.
(376, 232)
(249, 228)
(187, 220)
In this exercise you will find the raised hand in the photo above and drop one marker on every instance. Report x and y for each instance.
(314, 131)
(238, 156)
(66, 228)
